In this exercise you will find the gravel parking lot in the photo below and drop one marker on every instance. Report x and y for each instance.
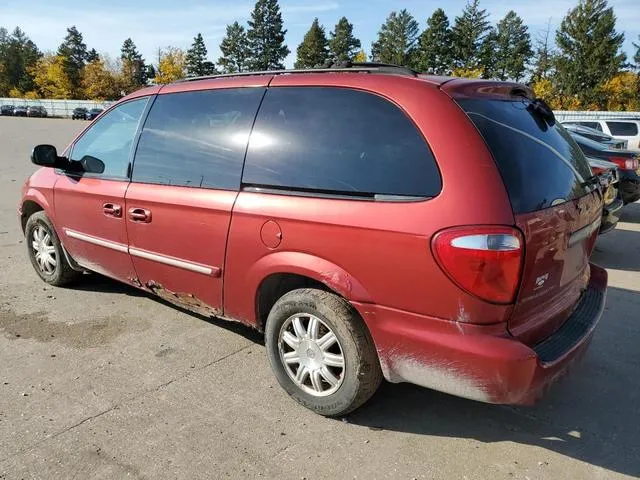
(103, 381)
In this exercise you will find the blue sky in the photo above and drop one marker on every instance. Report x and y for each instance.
(160, 23)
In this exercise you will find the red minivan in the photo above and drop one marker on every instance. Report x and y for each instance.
(372, 222)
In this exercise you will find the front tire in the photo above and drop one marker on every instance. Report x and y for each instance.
(321, 352)
(46, 253)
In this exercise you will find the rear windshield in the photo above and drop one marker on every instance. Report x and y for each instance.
(540, 163)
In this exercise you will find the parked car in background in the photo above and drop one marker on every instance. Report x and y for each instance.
(622, 128)
(328, 209)
(20, 111)
(6, 110)
(596, 135)
(609, 178)
(79, 113)
(93, 113)
(37, 111)
(628, 163)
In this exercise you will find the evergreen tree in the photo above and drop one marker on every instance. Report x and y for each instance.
(397, 38)
(92, 56)
(196, 59)
(469, 33)
(542, 65)
(134, 71)
(235, 49)
(313, 51)
(343, 46)
(636, 57)
(589, 51)
(266, 36)
(488, 54)
(513, 51)
(74, 54)
(18, 54)
(150, 72)
(434, 46)
(4, 81)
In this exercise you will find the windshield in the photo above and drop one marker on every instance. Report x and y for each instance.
(540, 163)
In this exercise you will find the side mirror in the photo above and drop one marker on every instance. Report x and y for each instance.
(45, 156)
(92, 164)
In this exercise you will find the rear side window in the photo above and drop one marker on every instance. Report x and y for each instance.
(623, 129)
(197, 139)
(540, 163)
(336, 140)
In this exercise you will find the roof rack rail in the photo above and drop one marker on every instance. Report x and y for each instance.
(344, 67)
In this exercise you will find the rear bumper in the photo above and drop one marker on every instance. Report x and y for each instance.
(482, 362)
(611, 215)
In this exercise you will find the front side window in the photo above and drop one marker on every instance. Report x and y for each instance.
(623, 129)
(338, 140)
(197, 139)
(110, 138)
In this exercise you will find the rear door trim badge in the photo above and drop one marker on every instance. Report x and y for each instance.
(174, 262)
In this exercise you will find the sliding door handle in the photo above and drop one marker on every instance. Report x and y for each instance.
(139, 215)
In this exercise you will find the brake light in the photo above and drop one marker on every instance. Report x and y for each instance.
(484, 261)
(625, 163)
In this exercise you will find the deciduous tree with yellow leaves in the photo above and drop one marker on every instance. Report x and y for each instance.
(50, 77)
(98, 83)
(623, 92)
(468, 72)
(172, 66)
(360, 57)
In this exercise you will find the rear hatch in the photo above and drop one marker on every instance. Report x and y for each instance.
(555, 201)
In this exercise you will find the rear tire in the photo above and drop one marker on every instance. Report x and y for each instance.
(330, 376)
(46, 253)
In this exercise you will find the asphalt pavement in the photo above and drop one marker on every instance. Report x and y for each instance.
(101, 381)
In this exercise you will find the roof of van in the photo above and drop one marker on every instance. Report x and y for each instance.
(453, 86)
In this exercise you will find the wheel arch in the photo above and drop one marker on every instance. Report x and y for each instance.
(282, 272)
(29, 207)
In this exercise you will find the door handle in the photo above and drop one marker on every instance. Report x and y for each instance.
(139, 215)
(112, 210)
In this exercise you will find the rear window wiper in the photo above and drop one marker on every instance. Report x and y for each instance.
(592, 180)
(598, 180)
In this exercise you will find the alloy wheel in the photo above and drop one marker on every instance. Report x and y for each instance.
(311, 354)
(44, 250)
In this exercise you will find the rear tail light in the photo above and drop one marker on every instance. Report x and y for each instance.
(484, 261)
(625, 163)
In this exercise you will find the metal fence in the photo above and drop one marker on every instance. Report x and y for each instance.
(64, 108)
(567, 115)
(56, 108)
